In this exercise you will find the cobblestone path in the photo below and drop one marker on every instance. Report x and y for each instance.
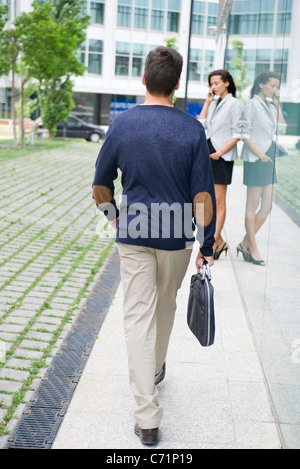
(52, 245)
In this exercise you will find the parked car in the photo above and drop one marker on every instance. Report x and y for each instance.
(77, 128)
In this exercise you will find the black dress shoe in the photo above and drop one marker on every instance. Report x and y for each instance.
(148, 437)
(161, 375)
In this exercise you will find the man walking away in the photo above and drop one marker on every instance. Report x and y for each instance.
(167, 188)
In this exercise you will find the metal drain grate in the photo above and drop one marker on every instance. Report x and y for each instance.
(42, 417)
(54, 391)
(36, 429)
(69, 362)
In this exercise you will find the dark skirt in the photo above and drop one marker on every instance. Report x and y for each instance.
(259, 174)
(222, 170)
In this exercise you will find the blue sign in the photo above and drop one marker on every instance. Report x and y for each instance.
(118, 105)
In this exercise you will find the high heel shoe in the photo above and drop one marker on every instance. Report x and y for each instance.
(256, 262)
(218, 253)
(244, 251)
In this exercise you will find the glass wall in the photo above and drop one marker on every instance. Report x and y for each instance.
(262, 223)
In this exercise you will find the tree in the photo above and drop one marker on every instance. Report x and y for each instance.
(3, 20)
(52, 35)
(241, 77)
(3, 63)
(10, 47)
(171, 42)
(26, 107)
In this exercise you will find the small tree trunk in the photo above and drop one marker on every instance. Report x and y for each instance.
(22, 115)
(13, 106)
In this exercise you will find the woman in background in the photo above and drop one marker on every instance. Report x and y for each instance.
(262, 119)
(222, 118)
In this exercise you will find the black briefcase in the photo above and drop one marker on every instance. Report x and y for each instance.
(201, 312)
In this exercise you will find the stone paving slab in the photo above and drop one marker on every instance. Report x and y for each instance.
(50, 254)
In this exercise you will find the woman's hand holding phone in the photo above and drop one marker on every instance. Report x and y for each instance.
(275, 98)
(210, 96)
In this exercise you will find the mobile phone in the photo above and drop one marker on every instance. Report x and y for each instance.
(213, 93)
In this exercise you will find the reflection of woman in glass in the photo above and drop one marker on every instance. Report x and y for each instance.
(262, 119)
(222, 118)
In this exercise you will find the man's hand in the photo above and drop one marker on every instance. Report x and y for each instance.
(113, 224)
(200, 260)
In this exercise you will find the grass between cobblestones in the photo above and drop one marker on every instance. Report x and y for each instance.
(288, 172)
(50, 253)
(8, 152)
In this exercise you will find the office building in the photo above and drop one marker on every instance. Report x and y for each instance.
(122, 32)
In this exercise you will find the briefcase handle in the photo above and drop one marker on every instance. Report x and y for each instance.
(205, 271)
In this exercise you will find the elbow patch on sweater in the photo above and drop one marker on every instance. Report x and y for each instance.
(203, 209)
(102, 195)
(104, 200)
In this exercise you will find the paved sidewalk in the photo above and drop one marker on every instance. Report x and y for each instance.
(214, 398)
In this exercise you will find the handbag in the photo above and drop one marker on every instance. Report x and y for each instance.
(200, 311)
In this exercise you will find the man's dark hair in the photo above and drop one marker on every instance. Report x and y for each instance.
(162, 70)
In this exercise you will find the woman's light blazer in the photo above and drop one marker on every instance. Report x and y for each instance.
(224, 122)
(260, 125)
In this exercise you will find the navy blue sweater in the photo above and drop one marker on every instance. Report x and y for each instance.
(163, 158)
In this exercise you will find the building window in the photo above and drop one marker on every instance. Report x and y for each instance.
(82, 53)
(259, 60)
(138, 59)
(95, 56)
(174, 7)
(141, 18)
(208, 63)
(284, 18)
(212, 18)
(154, 15)
(255, 17)
(201, 64)
(198, 18)
(124, 16)
(97, 11)
(205, 15)
(281, 58)
(122, 58)
(130, 59)
(195, 64)
(91, 54)
(157, 20)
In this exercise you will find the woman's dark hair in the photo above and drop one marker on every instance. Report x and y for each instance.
(225, 77)
(263, 78)
(163, 69)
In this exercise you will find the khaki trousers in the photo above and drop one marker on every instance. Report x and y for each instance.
(150, 280)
